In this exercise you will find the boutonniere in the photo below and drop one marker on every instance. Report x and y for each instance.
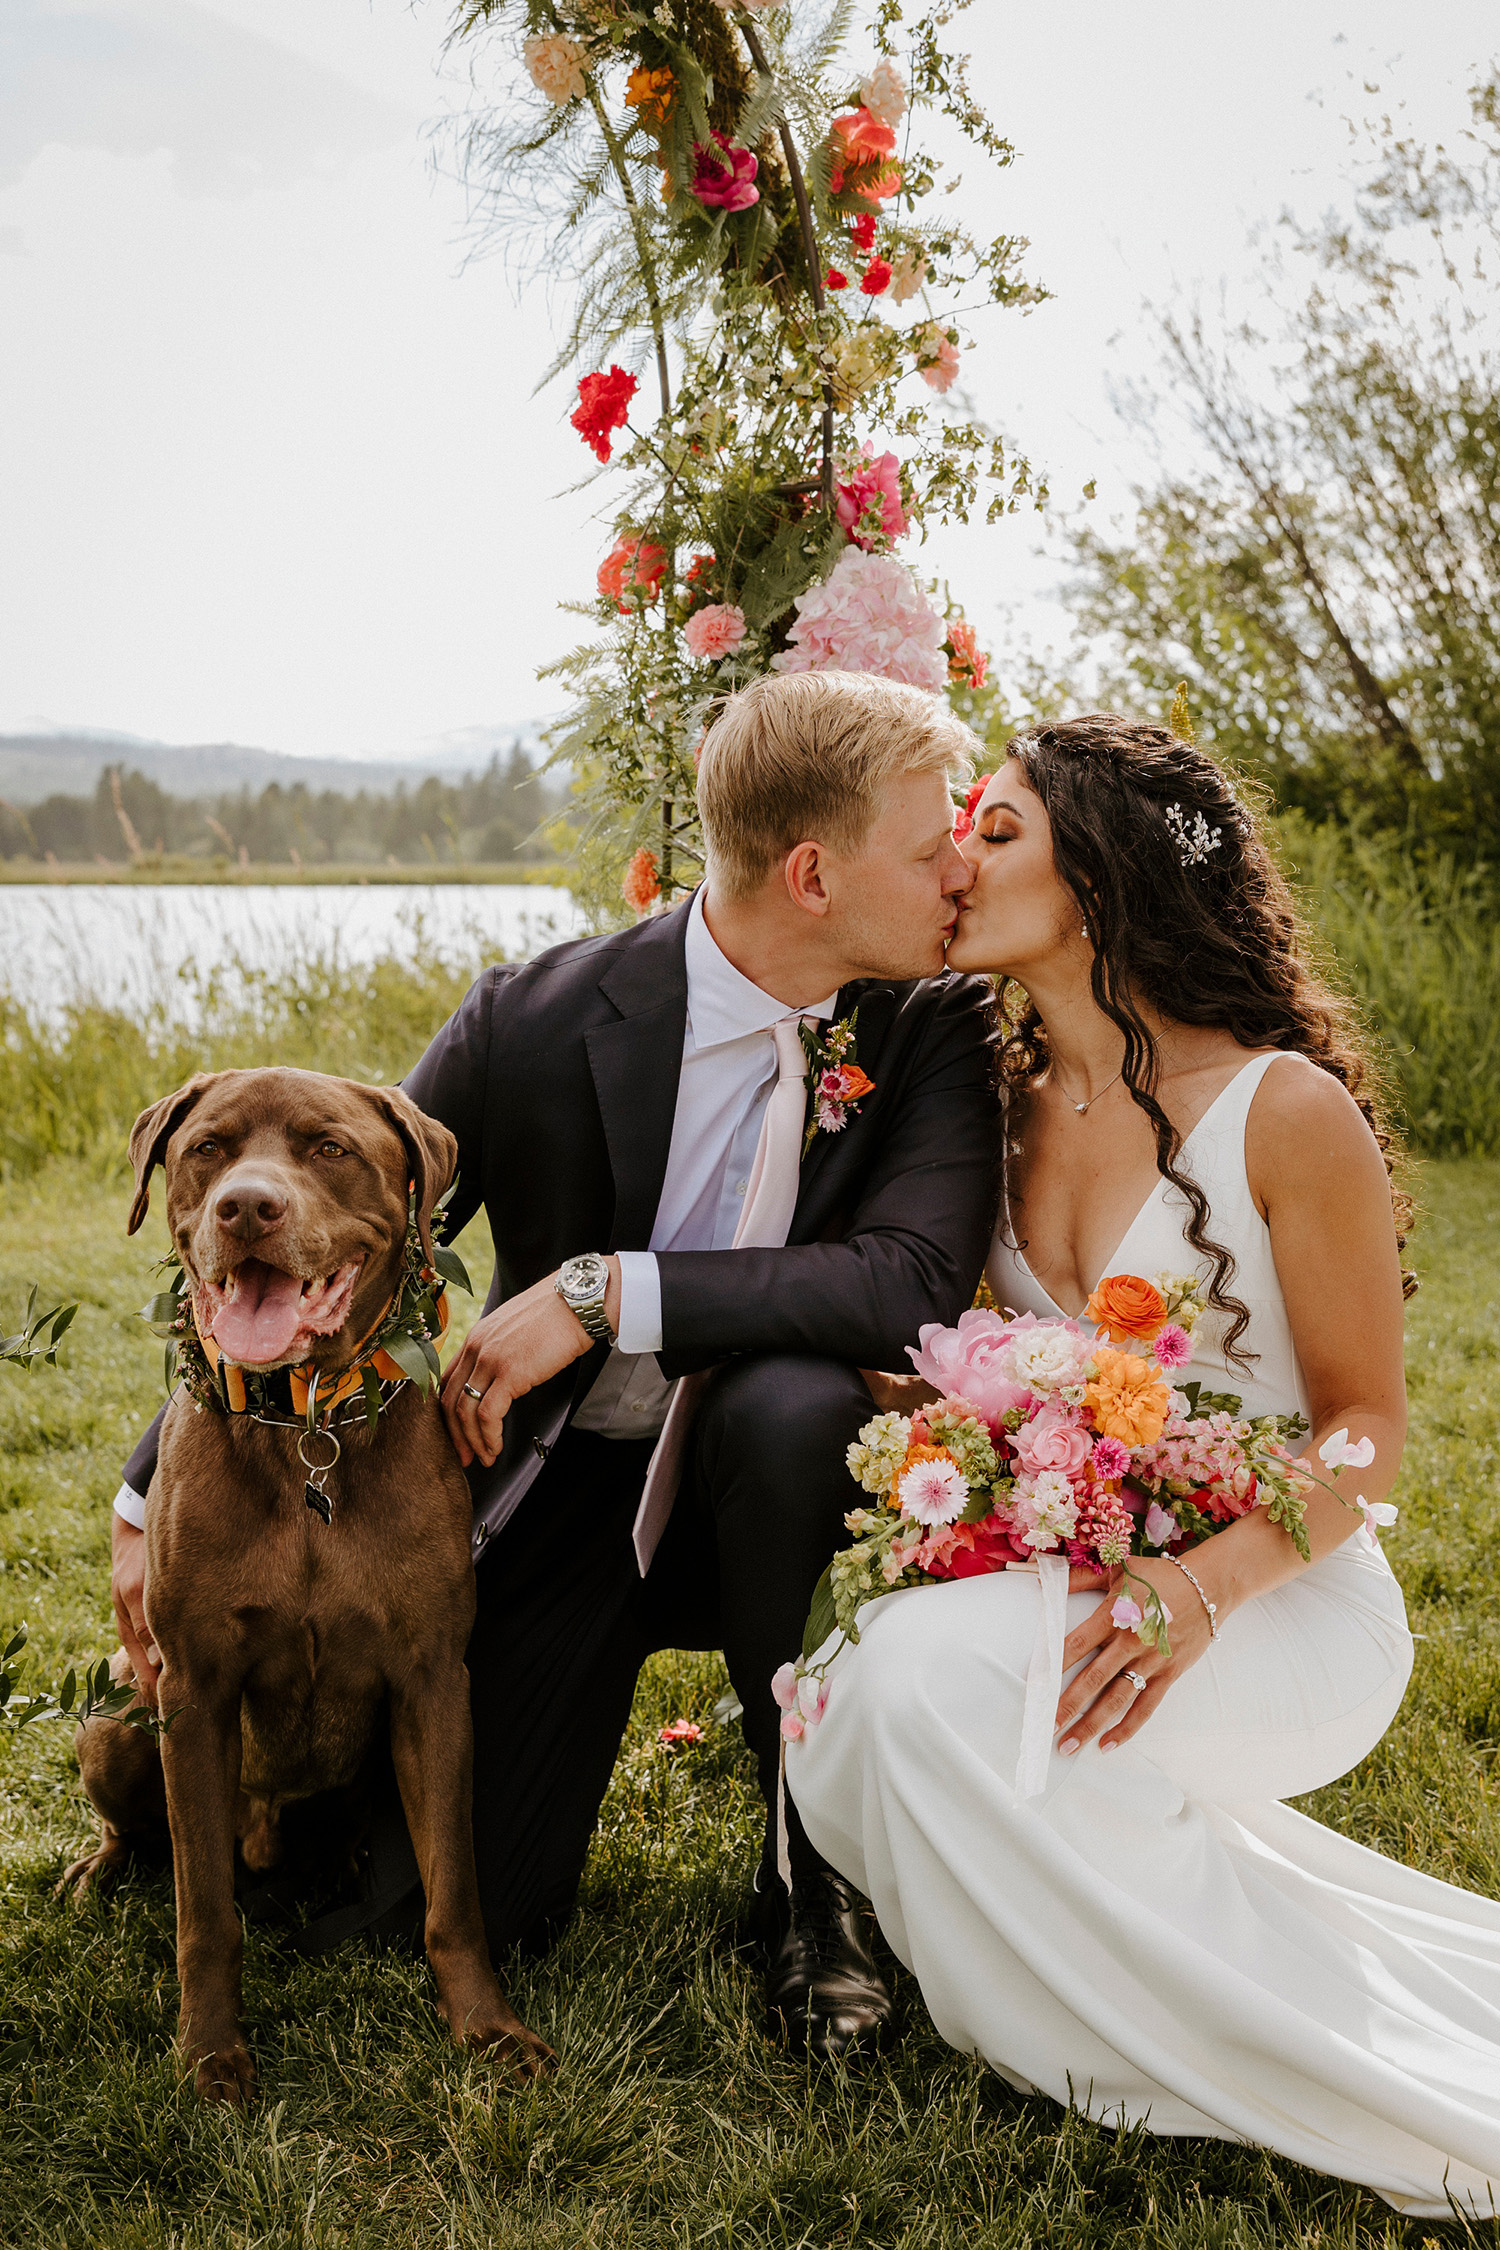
(838, 1083)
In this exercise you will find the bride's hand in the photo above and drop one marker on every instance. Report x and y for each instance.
(1102, 1701)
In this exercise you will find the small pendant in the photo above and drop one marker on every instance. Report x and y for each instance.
(319, 1502)
(1082, 1108)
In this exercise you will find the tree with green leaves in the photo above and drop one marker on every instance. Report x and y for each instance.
(1326, 576)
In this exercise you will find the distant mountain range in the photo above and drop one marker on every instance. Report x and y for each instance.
(42, 760)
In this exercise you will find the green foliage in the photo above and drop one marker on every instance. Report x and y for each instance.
(1326, 575)
(674, 2119)
(36, 1340)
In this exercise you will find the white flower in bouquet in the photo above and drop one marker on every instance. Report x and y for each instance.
(879, 1451)
(884, 93)
(556, 65)
(869, 615)
(1049, 1358)
(933, 1491)
(1046, 1509)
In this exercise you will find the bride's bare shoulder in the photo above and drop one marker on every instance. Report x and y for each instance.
(1305, 1131)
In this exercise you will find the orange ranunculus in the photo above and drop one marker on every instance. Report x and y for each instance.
(1127, 1398)
(1124, 1305)
(653, 93)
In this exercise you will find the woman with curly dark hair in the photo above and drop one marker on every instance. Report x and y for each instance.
(1156, 1936)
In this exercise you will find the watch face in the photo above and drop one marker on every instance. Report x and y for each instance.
(583, 1277)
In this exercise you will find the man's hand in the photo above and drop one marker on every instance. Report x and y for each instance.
(127, 1586)
(522, 1343)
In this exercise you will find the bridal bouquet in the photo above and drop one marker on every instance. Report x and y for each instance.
(1050, 1440)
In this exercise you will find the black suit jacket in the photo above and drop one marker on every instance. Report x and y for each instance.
(559, 1078)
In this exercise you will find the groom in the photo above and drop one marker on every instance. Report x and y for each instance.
(667, 1199)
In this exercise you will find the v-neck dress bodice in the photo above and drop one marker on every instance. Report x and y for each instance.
(1156, 1242)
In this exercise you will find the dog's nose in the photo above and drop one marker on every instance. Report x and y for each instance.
(249, 1205)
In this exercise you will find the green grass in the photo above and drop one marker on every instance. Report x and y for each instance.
(673, 2119)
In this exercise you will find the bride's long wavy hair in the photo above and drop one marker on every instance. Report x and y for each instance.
(1189, 916)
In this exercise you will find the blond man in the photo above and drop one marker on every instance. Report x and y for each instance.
(676, 1189)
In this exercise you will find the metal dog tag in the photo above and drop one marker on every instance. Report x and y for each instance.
(319, 1502)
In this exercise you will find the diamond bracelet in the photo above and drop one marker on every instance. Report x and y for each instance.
(1211, 1607)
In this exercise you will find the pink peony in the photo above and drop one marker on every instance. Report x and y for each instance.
(972, 1360)
(714, 632)
(1053, 1441)
(1111, 1459)
(724, 174)
(1173, 1347)
(869, 498)
(868, 615)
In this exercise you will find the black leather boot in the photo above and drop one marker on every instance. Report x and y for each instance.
(821, 1979)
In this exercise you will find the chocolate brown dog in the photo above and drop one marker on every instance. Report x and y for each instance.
(285, 1637)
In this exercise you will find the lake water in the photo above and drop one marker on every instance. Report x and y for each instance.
(139, 946)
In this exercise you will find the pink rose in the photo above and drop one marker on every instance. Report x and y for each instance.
(724, 174)
(1052, 1441)
(714, 632)
(969, 1359)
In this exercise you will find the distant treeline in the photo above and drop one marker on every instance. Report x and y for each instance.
(487, 818)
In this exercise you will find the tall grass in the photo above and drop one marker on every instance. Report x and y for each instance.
(1419, 949)
(1418, 946)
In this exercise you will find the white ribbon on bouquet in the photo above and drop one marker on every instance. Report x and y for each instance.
(1043, 1674)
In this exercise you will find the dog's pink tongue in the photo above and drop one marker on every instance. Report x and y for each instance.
(257, 1324)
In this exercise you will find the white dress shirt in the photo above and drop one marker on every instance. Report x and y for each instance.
(728, 1071)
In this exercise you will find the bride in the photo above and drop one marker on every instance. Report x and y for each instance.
(1156, 1936)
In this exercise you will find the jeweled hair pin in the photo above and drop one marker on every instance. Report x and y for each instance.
(1194, 839)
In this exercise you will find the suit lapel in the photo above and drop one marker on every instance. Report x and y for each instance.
(636, 1063)
(875, 1003)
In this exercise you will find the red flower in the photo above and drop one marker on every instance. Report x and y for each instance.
(642, 885)
(724, 175)
(862, 231)
(678, 1732)
(632, 566)
(859, 145)
(963, 824)
(877, 277)
(603, 403)
(837, 280)
(966, 659)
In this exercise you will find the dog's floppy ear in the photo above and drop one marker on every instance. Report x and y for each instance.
(431, 1152)
(150, 1134)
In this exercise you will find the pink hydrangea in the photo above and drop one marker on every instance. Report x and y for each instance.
(869, 615)
(714, 632)
(869, 497)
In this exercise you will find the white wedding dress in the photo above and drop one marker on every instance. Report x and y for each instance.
(1157, 1937)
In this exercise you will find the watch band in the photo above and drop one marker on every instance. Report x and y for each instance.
(582, 1284)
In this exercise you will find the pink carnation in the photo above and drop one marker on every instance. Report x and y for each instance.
(869, 498)
(714, 632)
(724, 175)
(869, 615)
(1173, 1347)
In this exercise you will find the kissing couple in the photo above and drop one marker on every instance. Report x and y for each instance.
(734, 1159)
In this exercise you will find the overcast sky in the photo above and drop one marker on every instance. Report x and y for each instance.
(271, 469)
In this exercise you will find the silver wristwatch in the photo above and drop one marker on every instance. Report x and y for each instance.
(581, 1283)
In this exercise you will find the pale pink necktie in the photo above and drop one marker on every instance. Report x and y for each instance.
(770, 1201)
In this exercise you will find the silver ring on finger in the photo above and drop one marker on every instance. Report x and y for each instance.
(470, 1392)
(1137, 1682)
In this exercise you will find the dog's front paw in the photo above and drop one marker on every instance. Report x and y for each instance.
(97, 1870)
(492, 2028)
(226, 2074)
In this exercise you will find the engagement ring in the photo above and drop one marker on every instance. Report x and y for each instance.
(1136, 1682)
(470, 1392)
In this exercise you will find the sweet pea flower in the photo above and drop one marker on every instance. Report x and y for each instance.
(784, 1686)
(1125, 1612)
(1337, 1453)
(812, 1696)
(793, 1726)
(677, 1732)
(1161, 1525)
(1376, 1513)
